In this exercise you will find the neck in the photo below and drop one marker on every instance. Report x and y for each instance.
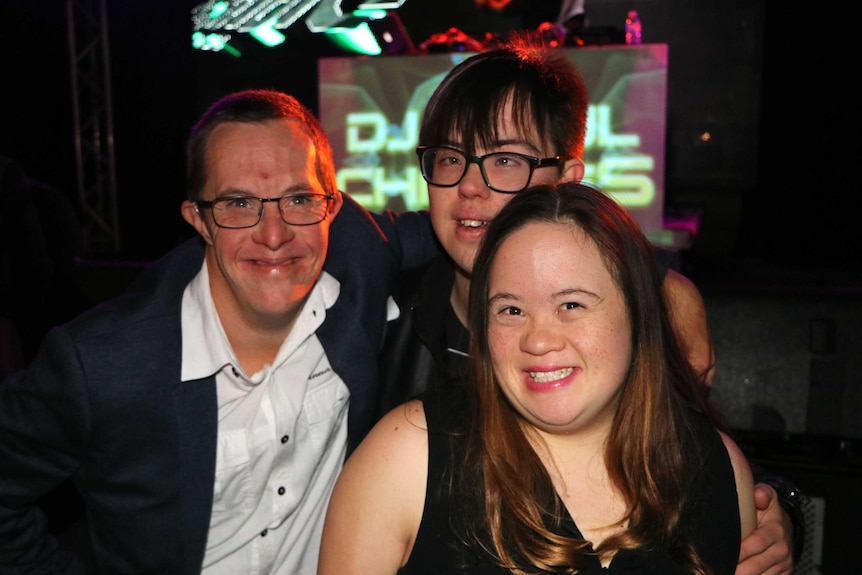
(255, 345)
(459, 297)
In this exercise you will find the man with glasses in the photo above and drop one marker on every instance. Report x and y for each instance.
(298, 209)
(500, 121)
(204, 415)
(504, 172)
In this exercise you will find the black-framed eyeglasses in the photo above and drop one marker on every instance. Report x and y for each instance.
(505, 172)
(235, 212)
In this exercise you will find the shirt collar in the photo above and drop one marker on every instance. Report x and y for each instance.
(206, 349)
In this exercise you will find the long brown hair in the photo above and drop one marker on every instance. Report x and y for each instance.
(495, 467)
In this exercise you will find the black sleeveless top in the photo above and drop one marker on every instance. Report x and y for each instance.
(711, 516)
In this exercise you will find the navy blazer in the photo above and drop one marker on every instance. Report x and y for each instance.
(102, 403)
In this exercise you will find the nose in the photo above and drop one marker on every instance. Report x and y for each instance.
(271, 229)
(473, 184)
(542, 336)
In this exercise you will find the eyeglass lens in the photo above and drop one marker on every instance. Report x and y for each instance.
(245, 212)
(503, 171)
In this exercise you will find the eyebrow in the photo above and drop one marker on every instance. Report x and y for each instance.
(556, 295)
(500, 143)
(576, 291)
(304, 187)
(518, 142)
(502, 296)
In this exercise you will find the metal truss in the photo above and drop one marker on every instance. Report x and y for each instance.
(93, 124)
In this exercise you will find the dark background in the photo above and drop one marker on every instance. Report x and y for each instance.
(777, 186)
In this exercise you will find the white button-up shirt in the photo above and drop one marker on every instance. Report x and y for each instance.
(282, 438)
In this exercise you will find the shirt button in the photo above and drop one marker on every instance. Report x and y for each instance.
(235, 371)
(281, 490)
(284, 439)
(264, 532)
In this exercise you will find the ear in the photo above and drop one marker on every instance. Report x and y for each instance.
(196, 220)
(337, 202)
(573, 170)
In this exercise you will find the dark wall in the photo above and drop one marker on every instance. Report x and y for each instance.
(808, 199)
(36, 120)
(152, 92)
(154, 96)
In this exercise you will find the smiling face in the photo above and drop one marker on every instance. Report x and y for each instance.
(460, 213)
(558, 329)
(261, 274)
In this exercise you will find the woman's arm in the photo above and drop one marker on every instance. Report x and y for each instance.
(744, 485)
(377, 502)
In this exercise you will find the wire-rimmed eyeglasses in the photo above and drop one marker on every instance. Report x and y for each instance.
(235, 212)
(505, 172)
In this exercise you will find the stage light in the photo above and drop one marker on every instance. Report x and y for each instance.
(214, 43)
(246, 15)
(380, 5)
(378, 32)
(357, 39)
(266, 34)
(218, 9)
(360, 31)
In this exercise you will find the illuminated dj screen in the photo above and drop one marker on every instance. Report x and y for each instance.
(371, 109)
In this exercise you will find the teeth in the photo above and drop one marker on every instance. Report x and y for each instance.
(473, 223)
(546, 376)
